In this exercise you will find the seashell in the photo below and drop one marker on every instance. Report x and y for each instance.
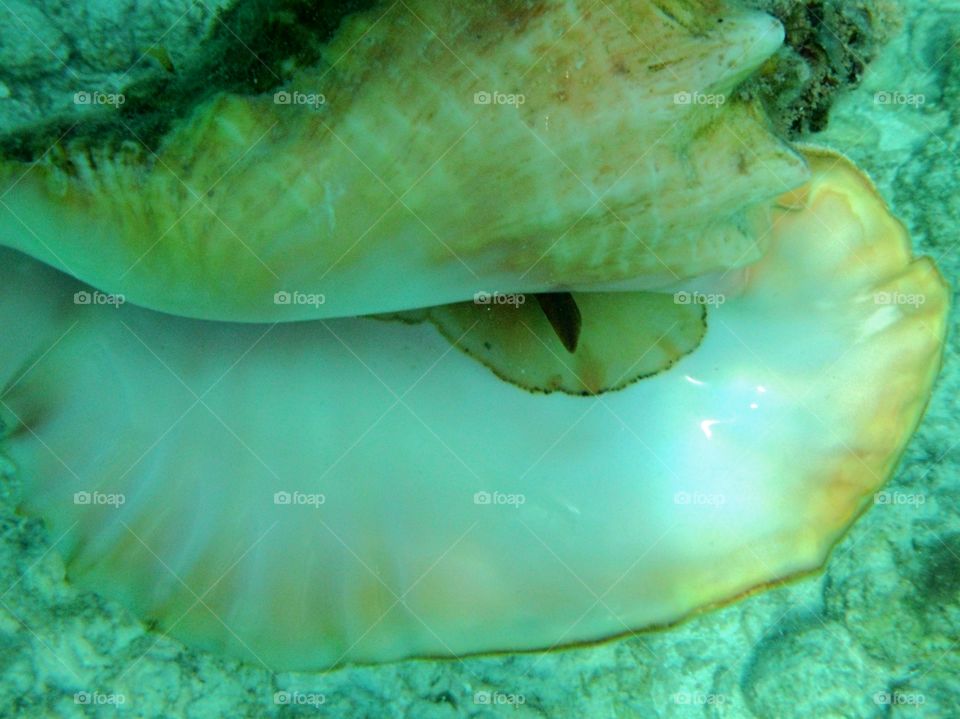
(359, 490)
(445, 149)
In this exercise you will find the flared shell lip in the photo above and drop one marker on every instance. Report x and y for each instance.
(940, 282)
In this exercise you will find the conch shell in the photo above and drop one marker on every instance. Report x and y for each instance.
(304, 494)
(447, 148)
(357, 490)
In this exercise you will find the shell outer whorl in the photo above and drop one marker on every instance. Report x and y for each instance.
(412, 184)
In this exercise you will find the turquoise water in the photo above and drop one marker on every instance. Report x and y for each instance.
(874, 634)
